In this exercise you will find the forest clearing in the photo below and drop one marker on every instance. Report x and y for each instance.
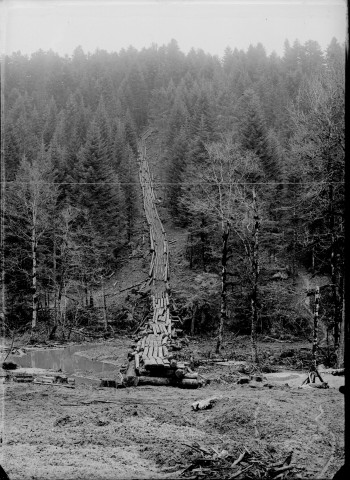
(172, 263)
(54, 432)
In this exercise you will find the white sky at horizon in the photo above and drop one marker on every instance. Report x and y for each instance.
(30, 25)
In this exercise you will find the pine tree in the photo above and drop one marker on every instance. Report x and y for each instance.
(99, 191)
(50, 120)
(254, 135)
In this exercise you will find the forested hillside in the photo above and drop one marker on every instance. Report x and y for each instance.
(252, 149)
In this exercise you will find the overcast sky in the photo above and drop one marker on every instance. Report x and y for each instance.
(30, 25)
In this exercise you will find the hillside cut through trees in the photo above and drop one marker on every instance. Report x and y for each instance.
(152, 362)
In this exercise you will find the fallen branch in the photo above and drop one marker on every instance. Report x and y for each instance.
(141, 324)
(239, 459)
(8, 353)
(283, 469)
(86, 334)
(198, 449)
(276, 339)
(237, 474)
(132, 286)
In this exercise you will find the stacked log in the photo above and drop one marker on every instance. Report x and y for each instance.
(151, 360)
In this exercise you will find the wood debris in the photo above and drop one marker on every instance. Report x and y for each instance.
(213, 463)
(204, 404)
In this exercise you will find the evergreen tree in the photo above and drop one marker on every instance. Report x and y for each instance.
(254, 135)
(98, 191)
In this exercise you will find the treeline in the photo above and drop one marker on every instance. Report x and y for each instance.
(272, 125)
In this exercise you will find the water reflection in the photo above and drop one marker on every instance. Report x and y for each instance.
(63, 359)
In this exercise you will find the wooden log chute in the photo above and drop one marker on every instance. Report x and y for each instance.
(152, 361)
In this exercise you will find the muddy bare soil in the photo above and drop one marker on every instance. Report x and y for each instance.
(55, 432)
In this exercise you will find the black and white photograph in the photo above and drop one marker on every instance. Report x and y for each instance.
(172, 240)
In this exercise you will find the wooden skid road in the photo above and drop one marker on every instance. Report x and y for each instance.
(158, 337)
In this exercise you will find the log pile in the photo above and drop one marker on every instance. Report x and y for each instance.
(48, 379)
(152, 360)
(207, 462)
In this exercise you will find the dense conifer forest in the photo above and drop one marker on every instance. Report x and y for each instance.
(252, 149)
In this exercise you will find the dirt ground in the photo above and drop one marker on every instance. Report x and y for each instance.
(55, 432)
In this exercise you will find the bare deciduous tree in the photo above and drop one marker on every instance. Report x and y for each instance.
(31, 201)
(224, 190)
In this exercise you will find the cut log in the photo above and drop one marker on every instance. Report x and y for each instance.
(243, 380)
(173, 363)
(130, 376)
(165, 351)
(61, 379)
(150, 363)
(158, 381)
(106, 382)
(25, 379)
(179, 373)
(189, 383)
(204, 404)
(191, 375)
(9, 366)
(145, 353)
(137, 362)
(155, 349)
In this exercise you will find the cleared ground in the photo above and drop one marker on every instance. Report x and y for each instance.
(52, 432)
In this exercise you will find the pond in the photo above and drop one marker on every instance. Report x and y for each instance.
(64, 359)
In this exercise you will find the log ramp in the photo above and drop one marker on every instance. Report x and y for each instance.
(151, 362)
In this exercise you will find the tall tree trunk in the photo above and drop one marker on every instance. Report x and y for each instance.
(55, 278)
(255, 278)
(86, 295)
(203, 244)
(191, 252)
(193, 319)
(335, 294)
(342, 332)
(294, 253)
(34, 279)
(223, 308)
(315, 337)
(313, 259)
(336, 278)
(104, 306)
(3, 311)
